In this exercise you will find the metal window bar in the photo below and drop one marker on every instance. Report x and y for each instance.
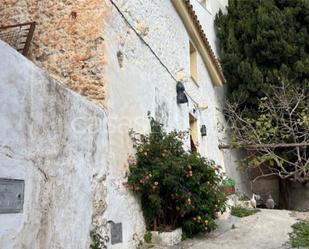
(18, 36)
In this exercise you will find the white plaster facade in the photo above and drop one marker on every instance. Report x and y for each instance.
(206, 17)
(147, 52)
(206, 11)
(56, 141)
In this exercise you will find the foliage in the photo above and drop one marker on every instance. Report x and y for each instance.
(300, 235)
(177, 187)
(264, 54)
(228, 182)
(148, 236)
(262, 42)
(243, 212)
(282, 118)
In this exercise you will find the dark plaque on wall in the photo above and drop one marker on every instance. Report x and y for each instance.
(11, 195)
(116, 233)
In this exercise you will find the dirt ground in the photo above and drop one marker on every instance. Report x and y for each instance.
(268, 229)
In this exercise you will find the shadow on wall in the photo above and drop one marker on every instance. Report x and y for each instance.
(231, 159)
(286, 194)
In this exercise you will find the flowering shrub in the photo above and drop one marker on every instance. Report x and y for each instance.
(177, 188)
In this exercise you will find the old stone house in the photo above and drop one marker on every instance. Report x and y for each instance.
(70, 152)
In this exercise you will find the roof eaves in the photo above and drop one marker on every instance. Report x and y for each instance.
(204, 38)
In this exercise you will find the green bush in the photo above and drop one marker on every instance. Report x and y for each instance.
(177, 188)
(148, 237)
(228, 182)
(243, 212)
(300, 235)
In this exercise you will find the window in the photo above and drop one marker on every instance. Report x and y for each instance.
(193, 133)
(193, 62)
(203, 3)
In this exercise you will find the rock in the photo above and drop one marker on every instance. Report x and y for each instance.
(270, 203)
(167, 238)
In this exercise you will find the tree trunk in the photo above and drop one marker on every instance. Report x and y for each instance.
(284, 194)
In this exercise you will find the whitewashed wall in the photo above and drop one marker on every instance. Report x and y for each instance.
(56, 141)
(206, 15)
(141, 77)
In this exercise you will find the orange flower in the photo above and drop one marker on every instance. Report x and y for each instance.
(188, 201)
(131, 160)
(189, 173)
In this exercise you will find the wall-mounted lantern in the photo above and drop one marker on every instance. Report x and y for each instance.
(181, 96)
(203, 131)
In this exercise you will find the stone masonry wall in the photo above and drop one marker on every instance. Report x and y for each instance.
(68, 40)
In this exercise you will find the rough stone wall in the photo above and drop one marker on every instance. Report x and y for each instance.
(68, 41)
(57, 142)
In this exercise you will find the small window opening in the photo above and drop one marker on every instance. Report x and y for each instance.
(193, 62)
(193, 133)
(203, 3)
(206, 5)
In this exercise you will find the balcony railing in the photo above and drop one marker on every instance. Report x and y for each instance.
(18, 36)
